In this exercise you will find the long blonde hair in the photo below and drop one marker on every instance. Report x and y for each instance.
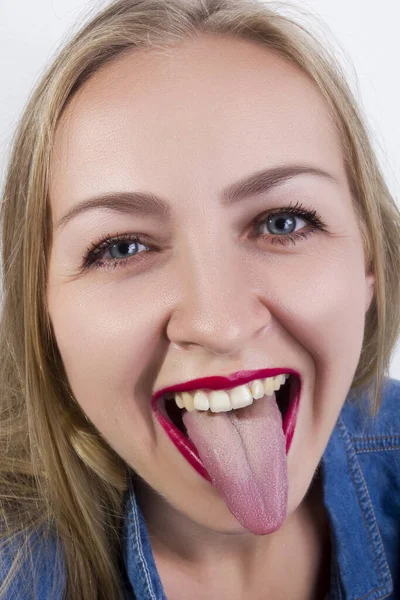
(55, 466)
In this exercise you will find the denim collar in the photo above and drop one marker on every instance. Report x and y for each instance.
(140, 575)
(359, 569)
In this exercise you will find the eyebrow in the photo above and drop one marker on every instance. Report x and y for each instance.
(148, 204)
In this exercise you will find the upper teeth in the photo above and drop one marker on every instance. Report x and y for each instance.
(237, 397)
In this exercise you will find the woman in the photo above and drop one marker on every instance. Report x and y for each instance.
(201, 297)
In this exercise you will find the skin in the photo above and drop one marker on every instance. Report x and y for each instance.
(184, 124)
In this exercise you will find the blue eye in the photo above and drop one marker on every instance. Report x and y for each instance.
(123, 249)
(115, 251)
(284, 224)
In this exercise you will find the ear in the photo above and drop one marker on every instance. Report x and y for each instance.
(369, 289)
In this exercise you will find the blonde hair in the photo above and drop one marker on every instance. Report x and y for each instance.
(54, 464)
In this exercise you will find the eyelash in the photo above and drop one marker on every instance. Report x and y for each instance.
(91, 260)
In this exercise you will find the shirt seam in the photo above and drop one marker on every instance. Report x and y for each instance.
(377, 443)
(377, 449)
(139, 545)
(375, 437)
(352, 466)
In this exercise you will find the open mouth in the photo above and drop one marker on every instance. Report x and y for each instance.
(170, 416)
(172, 411)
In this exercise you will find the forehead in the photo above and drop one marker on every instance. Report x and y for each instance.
(200, 114)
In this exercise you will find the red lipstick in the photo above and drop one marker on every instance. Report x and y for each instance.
(185, 446)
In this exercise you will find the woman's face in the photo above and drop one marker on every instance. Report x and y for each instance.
(205, 292)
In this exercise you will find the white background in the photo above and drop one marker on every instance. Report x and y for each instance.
(365, 33)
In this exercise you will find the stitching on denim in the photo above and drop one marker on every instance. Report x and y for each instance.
(374, 437)
(342, 432)
(376, 443)
(141, 556)
(377, 449)
(138, 543)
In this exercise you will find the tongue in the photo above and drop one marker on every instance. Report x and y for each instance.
(244, 454)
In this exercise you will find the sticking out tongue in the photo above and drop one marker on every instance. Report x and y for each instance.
(244, 454)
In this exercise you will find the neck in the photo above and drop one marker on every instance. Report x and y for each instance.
(303, 541)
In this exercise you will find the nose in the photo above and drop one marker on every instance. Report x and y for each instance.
(218, 309)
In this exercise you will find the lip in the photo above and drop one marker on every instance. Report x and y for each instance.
(186, 447)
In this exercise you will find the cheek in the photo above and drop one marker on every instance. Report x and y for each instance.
(324, 298)
(107, 336)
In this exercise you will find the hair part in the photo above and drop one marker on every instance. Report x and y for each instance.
(55, 465)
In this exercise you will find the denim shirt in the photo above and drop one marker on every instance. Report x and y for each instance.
(360, 471)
